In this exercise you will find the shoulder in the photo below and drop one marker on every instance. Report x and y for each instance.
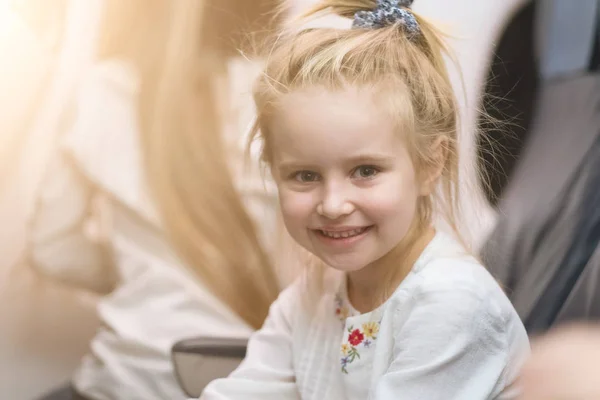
(105, 119)
(104, 110)
(445, 267)
(464, 286)
(106, 97)
(453, 291)
(105, 103)
(464, 276)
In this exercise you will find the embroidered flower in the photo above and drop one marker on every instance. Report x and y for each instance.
(341, 310)
(371, 329)
(356, 337)
(344, 362)
(352, 355)
(345, 349)
(364, 336)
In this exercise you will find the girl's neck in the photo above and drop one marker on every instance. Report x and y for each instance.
(371, 286)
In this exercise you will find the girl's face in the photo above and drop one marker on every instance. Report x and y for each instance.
(347, 186)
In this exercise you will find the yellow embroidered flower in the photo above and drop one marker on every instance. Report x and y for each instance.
(345, 349)
(370, 329)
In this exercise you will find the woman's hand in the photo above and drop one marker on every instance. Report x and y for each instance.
(564, 365)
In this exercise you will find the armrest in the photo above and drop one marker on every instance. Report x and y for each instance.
(198, 361)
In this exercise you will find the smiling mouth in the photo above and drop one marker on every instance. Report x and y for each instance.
(344, 234)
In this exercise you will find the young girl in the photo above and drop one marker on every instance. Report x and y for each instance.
(359, 129)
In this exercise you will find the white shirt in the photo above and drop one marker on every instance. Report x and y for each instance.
(448, 332)
(95, 193)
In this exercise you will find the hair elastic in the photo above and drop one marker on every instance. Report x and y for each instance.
(387, 13)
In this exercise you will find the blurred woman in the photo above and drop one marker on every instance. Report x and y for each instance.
(142, 204)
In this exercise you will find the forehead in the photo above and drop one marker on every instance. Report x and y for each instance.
(317, 125)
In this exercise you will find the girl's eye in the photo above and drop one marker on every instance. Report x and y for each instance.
(365, 172)
(306, 176)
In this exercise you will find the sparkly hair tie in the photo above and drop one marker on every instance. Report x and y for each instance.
(386, 13)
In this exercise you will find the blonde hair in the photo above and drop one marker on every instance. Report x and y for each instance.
(409, 71)
(185, 159)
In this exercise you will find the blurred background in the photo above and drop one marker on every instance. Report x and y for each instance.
(510, 63)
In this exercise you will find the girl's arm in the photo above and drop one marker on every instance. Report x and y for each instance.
(267, 372)
(453, 345)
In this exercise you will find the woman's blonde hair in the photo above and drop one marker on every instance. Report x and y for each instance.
(186, 164)
(408, 71)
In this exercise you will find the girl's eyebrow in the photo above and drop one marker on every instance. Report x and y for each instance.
(291, 165)
(374, 158)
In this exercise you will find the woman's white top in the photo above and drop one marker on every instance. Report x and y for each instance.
(448, 332)
(95, 192)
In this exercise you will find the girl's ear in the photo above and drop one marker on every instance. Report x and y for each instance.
(435, 167)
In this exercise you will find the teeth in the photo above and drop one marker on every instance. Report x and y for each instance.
(347, 234)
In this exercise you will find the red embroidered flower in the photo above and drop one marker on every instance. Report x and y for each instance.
(356, 337)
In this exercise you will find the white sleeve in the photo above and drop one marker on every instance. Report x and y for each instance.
(267, 372)
(58, 245)
(452, 345)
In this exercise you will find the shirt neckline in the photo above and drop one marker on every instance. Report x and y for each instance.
(344, 308)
